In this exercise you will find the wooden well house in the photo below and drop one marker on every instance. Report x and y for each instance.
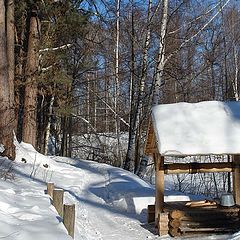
(184, 129)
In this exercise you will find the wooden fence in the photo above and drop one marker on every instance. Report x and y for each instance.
(65, 211)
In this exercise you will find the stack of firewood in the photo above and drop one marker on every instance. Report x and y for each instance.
(182, 218)
(224, 220)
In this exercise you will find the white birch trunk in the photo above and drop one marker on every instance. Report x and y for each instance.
(161, 54)
(117, 84)
(88, 102)
(235, 83)
(47, 131)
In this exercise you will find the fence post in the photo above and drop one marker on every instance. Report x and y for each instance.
(50, 188)
(69, 218)
(58, 200)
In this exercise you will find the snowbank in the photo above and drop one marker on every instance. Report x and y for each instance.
(26, 212)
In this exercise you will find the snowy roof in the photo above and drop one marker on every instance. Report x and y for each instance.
(203, 128)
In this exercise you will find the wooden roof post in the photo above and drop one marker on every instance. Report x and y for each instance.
(236, 178)
(159, 182)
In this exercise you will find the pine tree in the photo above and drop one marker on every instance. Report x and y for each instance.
(7, 116)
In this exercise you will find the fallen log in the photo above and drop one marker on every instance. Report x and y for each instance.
(175, 223)
(211, 224)
(201, 214)
(174, 232)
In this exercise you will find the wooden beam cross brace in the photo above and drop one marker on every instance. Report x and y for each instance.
(195, 167)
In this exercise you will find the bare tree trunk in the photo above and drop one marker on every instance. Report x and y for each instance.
(19, 76)
(161, 54)
(131, 157)
(64, 141)
(88, 103)
(70, 135)
(30, 100)
(6, 97)
(132, 71)
(117, 84)
(235, 82)
(10, 51)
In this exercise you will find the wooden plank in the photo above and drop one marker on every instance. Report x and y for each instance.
(236, 179)
(192, 168)
(203, 203)
(159, 183)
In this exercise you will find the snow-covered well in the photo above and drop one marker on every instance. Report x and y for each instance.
(203, 128)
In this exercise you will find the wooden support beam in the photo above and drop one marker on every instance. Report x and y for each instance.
(151, 150)
(150, 146)
(159, 183)
(236, 179)
(193, 168)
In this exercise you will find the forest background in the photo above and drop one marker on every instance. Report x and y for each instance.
(78, 78)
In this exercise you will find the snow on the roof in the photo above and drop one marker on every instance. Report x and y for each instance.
(203, 128)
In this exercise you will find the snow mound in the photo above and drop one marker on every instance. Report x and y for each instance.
(26, 212)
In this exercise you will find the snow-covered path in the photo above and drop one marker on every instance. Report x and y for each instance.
(96, 203)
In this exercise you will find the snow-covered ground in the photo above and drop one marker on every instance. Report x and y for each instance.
(110, 202)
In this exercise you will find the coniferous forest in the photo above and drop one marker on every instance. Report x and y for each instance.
(78, 78)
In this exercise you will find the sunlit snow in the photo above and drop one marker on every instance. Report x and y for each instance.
(210, 127)
(110, 202)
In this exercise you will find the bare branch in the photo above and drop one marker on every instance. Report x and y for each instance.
(112, 110)
(198, 32)
(66, 46)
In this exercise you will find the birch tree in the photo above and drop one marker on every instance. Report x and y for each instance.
(161, 54)
(117, 84)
